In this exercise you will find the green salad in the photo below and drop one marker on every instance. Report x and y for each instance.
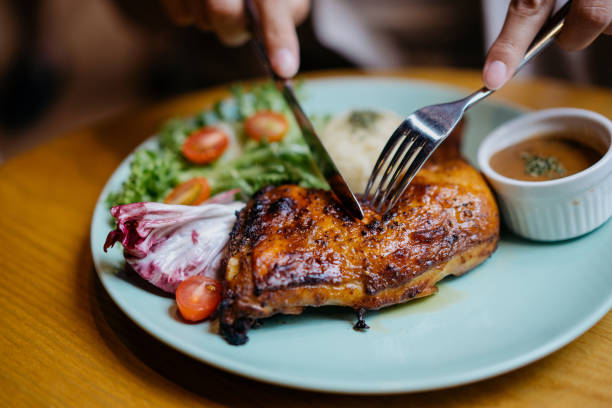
(255, 152)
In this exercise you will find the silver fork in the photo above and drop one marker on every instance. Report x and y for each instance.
(424, 130)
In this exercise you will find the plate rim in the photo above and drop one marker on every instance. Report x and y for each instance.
(338, 386)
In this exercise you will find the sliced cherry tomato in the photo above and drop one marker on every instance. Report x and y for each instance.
(197, 297)
(191, 192)
(205, 145)
(269, 125)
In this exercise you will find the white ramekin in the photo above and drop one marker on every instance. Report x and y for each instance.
(557, 209)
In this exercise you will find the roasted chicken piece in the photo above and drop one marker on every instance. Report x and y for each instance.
(293, 247)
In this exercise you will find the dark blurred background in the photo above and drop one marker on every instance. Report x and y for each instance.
(64, 63)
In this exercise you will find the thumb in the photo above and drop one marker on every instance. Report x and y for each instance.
(523, 22)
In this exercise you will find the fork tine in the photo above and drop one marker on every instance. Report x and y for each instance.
(416, 164)
(407, 160)
(383, 182)
(391, 143)
(384, 188)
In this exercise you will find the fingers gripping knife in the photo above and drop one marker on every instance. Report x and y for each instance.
(321, 158)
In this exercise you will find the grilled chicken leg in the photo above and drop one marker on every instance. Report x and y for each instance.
(293, 247)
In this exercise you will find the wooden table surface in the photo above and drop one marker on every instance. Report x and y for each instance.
(64, 343)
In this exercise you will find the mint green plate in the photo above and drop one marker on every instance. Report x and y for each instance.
(525, 302)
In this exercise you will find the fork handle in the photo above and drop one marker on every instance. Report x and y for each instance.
(544, 37)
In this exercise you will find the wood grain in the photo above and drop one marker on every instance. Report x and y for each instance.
(64, 343)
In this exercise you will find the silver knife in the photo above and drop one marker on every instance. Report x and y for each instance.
(323, 162)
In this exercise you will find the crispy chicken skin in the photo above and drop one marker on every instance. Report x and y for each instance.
(293, 247)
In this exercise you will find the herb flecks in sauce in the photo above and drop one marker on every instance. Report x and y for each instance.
(541, 166)
(363, 119)
(546, 157)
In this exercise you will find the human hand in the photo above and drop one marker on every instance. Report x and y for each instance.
(227, 19)
(586, 20)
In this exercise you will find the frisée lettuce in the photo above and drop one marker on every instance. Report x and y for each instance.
(249, 166)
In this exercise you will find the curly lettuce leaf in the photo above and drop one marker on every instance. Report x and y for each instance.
(154, 172)
(261, 165)
(152, 175)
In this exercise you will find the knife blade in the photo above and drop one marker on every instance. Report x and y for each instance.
(321, 158)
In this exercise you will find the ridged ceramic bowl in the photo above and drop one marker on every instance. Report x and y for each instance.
(556, 209)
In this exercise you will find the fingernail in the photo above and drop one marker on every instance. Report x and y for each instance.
(495, 74)
(285, 63)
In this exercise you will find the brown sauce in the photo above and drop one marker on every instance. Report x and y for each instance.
(545, 157)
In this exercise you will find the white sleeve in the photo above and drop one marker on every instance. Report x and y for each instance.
(347, 27)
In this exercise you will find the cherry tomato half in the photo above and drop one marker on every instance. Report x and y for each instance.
(205, 145)
(269, 125)
(197, 297)
(191, 192)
